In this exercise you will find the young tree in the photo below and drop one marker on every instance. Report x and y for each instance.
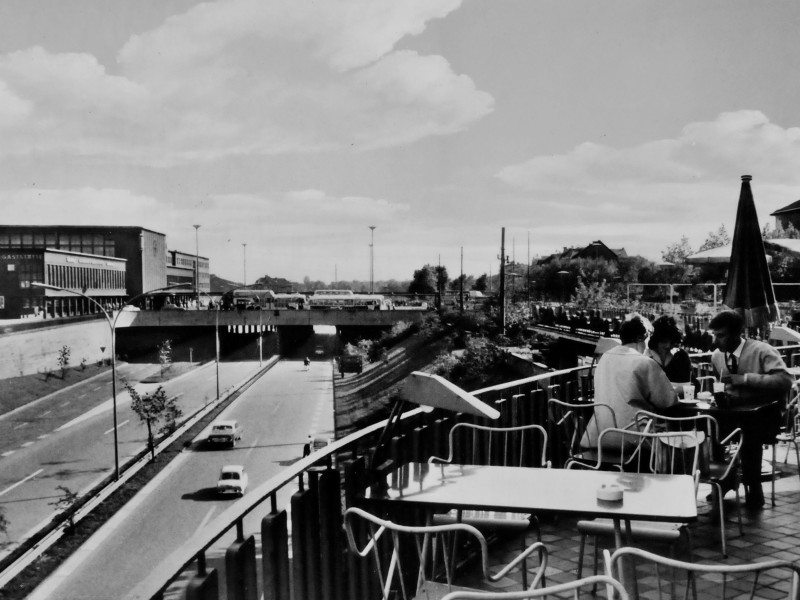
(3, 522)
(65, 502)
(677, 252)
(63, 359)
(481, 283)
(152, 408)
(165, 355)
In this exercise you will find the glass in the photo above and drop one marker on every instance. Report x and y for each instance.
(688, 392)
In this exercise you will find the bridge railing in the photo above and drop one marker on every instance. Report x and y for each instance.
(300, 510)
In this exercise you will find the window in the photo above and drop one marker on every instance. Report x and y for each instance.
(27, 240)
(110, 249)
(50, 239)
(38, 240)
(16, 240)
(5, 240)
(97, 246)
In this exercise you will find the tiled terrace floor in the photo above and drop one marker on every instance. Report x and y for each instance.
(770, 533)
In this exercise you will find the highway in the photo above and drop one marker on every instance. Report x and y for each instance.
(278, 413)
(67, 439)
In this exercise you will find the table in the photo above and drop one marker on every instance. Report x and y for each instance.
(439, 488)
(435, 488)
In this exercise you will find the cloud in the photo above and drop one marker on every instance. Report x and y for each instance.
(651, 194)
(238, 77)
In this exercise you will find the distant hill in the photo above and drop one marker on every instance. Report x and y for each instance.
(220, 285)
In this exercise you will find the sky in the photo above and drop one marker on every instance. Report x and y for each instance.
(292, 126)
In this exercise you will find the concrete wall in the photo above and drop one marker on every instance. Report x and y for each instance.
(36, 351)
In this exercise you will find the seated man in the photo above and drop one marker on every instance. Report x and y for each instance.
(627, 381)
(755, 375)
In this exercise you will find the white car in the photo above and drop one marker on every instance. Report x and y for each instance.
(225, 432)
(232, 479)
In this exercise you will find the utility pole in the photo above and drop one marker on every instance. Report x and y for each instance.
(244, 264)
(461, 279)
(372, 259)
(503, 279)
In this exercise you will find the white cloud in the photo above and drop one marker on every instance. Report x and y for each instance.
(649, 195)
(242, 76)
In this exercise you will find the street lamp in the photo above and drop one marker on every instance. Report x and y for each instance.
(216, 336)
(196, 265)
(372, 259)
(244, 263)
(112, 322)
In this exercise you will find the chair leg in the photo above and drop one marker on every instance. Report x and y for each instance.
(739, 512)
(580, 555)
(716, 491)
(774, 469)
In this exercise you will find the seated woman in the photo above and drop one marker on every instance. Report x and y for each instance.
(664, 348)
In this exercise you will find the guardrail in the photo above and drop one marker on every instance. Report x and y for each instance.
(314, 565)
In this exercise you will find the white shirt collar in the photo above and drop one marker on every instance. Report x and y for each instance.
(738, 352)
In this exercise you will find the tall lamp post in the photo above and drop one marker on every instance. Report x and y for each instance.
(244, 264)
(216, 336)
(372, 259)
(112, 322)
(196, 265)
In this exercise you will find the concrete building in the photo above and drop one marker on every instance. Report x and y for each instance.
(181, 270)
(88, 259)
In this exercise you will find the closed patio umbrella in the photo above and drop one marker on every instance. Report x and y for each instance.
(749, 288)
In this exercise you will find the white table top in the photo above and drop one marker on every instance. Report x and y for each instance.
(556, 491)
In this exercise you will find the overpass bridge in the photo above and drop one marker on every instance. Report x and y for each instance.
(269, 319)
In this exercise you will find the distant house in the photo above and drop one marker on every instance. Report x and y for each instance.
(595, 250)
(788, 215)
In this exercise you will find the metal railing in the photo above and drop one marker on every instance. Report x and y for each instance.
(314, 565)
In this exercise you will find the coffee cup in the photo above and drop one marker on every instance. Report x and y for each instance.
(688, 392)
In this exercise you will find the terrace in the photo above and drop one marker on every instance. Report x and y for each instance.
(294, 521)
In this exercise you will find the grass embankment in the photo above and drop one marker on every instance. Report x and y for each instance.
(19, 391)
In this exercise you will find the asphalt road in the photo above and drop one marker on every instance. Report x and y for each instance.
(278, 412)
(67, 440)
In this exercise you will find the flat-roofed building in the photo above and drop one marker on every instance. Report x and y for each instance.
(82, 257)
(181, 271)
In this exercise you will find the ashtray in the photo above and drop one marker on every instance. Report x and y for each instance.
(610, 493)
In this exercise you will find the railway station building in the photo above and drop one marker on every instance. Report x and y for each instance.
(108, 264)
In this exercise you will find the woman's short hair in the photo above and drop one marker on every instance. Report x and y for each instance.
(665, 329)
(632, 330)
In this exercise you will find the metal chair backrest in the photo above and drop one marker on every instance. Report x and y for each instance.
(665, 452)
(521, 446)
(563, 590)
(408, 559)
(704, 427)
(782, 581)
(571, 422)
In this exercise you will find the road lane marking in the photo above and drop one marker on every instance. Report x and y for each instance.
(118, 426)
(65, 403)
(20, 482)
(26, 444)
(41, 437)
(206, 519)
(47, 412)
(83, 395)
(21, 425)
(7, 453)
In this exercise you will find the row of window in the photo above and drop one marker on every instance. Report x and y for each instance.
(27, 272)
(88, 243)
(85, 277)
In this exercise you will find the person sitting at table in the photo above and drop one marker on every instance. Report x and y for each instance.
(755, 375)
(627, 381)
(664, 348)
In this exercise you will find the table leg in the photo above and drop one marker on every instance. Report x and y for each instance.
(626, 569)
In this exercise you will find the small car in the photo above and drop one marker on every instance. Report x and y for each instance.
(225, 432)
(233, 479)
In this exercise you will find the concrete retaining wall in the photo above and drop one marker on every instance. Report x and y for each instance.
(36, 351)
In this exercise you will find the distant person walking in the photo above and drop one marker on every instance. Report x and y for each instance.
(306, 362)
(307, 447)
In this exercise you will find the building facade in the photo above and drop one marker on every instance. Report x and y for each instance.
(87, 259)
(183, 268)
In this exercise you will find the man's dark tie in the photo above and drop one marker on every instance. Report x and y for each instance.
(733, 364)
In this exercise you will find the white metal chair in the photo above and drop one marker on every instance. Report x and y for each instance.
(406, 558)
(643, 452)
(563, 590)
(574, 424)
(521, 446)
(718, 459)
(788, 435)
(783, 580)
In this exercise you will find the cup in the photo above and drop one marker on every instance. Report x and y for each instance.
(688, 392)
(719, 387)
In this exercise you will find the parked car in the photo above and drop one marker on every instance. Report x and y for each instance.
(351, 363)
(233, 479)
(225, 432)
